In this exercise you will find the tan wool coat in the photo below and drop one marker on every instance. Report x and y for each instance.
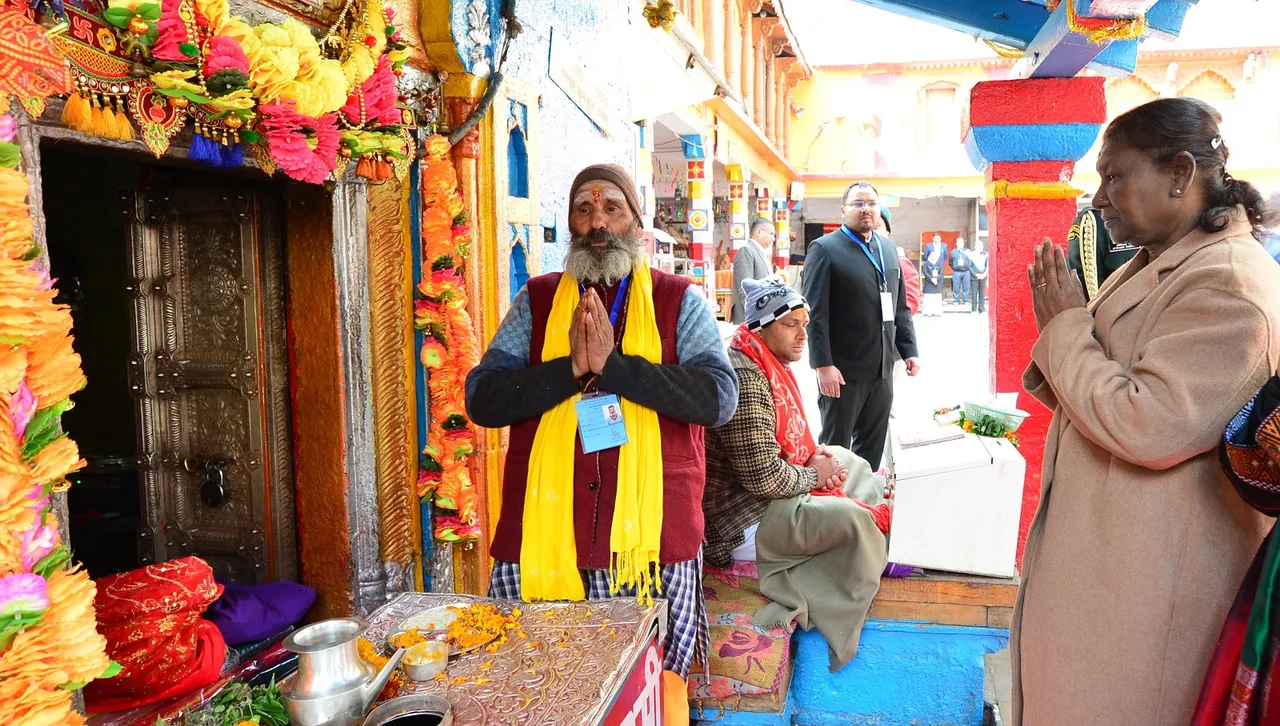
(1140, 543)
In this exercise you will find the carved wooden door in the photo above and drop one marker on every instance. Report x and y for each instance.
(209, 376)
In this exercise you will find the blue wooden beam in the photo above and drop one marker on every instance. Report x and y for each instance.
(1165, 18)
(1118, 59)
(1011, 22)
(1059, 52)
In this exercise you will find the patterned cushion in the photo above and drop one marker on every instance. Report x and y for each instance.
(749, 665)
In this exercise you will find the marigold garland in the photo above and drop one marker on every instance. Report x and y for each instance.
(49, 644)
(449, 349)
(1101, 30)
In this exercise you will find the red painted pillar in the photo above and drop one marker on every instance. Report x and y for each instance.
(1027, 135)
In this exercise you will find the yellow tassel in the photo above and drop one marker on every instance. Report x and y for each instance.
(75, 115)
(97, 123)
(124, 129)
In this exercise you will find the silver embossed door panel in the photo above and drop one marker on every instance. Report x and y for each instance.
(209, 376)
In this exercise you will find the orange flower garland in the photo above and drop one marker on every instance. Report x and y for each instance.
(449, 350)
(49, 644)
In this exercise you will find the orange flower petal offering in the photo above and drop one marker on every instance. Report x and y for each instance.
(481, 624)
(408, 638)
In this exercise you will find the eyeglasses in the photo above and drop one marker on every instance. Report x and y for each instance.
(862, 205)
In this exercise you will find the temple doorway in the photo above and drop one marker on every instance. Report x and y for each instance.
(175, 277)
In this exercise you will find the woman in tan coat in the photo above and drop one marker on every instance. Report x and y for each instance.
(1140, 542)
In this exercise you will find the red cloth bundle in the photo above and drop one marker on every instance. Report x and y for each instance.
(151, 620)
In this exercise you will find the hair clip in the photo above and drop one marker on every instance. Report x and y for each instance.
(1217, 141)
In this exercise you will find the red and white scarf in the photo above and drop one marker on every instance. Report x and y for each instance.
(790, 425)
(791, 428)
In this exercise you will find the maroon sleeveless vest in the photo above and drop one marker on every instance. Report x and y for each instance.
(595, 476)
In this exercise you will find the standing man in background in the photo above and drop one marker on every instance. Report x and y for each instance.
(978, 263)
(859, 318)
(910, 280)
(959, 273)
(933, 263)
(751, 263)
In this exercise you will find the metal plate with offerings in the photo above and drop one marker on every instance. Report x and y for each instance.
(576, 664)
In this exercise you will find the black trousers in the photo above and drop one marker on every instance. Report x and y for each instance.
(978, 295)
(859, 418)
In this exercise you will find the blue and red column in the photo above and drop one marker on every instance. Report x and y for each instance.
(1027, 135)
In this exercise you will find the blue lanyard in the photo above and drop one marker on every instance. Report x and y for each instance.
(617, 302)
(878, 264)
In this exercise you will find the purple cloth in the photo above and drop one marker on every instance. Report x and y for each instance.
(249, 613)
(898, 571)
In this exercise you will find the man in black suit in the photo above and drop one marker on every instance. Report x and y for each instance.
(859, 317)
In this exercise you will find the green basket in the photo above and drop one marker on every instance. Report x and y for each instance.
(1011, 419)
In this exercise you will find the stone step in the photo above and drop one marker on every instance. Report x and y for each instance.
(997, 687)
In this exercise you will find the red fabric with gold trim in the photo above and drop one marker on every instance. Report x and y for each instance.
(151, 620)
(31, 66)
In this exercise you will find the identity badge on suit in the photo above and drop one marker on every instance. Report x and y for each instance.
(847, 330)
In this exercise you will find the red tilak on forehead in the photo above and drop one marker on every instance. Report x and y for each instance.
(595, 193)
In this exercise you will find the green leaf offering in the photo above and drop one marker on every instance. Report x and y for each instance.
(10, 156)
(118, 17)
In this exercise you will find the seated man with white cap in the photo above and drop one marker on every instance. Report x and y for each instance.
(813, 518)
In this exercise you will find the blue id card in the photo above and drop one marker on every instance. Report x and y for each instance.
(600, 423)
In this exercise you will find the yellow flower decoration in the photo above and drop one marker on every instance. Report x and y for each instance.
(241, 100)
(320, 86)
(106, 39)
(285, 63)
(217, 12)
(176, 81)
(358, 65)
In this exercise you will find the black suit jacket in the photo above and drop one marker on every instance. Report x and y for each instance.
(843, 291)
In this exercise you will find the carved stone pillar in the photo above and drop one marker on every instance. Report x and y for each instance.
(770, 95)
(780, 108)
(758, 65)
(732, 44)
(713, 22)
(747, 72)
(787, 115)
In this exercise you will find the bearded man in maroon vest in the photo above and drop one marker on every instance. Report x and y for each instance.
(609, 340)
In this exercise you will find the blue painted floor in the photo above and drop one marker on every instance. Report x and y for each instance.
(905, 674)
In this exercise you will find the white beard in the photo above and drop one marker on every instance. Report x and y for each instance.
(605, 265)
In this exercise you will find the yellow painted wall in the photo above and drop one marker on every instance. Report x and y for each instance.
(917, 150)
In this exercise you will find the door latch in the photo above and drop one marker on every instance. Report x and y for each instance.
(213, 491)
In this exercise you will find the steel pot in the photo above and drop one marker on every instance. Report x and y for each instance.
(417, 705)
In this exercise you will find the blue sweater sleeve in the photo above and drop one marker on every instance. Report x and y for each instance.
(503, 389)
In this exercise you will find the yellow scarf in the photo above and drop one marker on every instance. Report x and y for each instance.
(548, 553)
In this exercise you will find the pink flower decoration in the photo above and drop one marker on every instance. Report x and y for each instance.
(8, 128)
(39, 500)
(21, 408)
(224, 53)
(303, 147)
(379, 93)
(171, 33)
(23, 594)
(36, 543)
